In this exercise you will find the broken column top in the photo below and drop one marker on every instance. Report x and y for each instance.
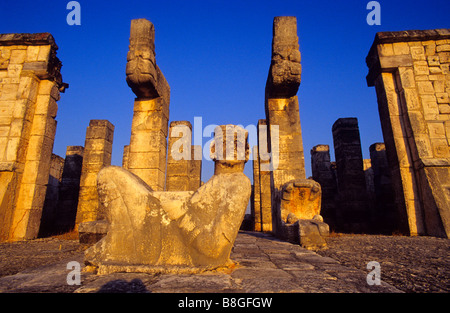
(320, 148)
(285, 28)
(345, 122)
(285, 69)
(142, 31)
(74, 150)
(101, 123)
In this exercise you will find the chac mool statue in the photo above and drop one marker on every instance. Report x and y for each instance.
(184, 231)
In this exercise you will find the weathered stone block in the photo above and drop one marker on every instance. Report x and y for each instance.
(91, 232)
(400, 48)
(312, 233)
(285, 70)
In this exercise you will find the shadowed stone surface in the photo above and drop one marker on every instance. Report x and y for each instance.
(410, 73)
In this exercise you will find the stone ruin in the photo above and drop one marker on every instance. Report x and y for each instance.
(293, 198)
(357, 193)
(154, 214)
(30, 85)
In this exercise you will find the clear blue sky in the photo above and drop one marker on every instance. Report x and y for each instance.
(215, 56)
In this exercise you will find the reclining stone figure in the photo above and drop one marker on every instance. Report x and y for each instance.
(185, 231)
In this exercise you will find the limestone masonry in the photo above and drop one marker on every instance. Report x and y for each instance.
(410, 72)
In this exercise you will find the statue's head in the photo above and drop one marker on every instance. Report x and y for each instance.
(229, 149)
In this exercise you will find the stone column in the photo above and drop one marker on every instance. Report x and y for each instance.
(30, 85)
(69, 189)
(323, 173)
(385, 213)
(179, 156)
(264, 177)
(97, 154)
(282, 107)
(410, 72)
(256, 205)
(49, 210)
(195, 173)
(353, 214)
(148, 144)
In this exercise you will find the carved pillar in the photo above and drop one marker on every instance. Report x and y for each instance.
(148, 145)
(49, 211)
(256, 205)
(282, 107)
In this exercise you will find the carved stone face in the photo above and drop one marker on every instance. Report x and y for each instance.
(230, 149)
(285, 68)
(141, 65)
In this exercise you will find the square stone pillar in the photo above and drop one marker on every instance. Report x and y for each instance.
(126, 151)
(323, 173)
(195, 173)
(264, 162)
(410, 72)
(148, 142)
(97, 154)
(69, 189)
(179, 156)
(353, 214)
(30, 84)
(385, 214)
(256, 205)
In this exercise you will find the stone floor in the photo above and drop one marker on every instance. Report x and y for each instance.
(264, 264)
(411, 264)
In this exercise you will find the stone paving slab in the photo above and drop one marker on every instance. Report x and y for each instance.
(264, 264)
